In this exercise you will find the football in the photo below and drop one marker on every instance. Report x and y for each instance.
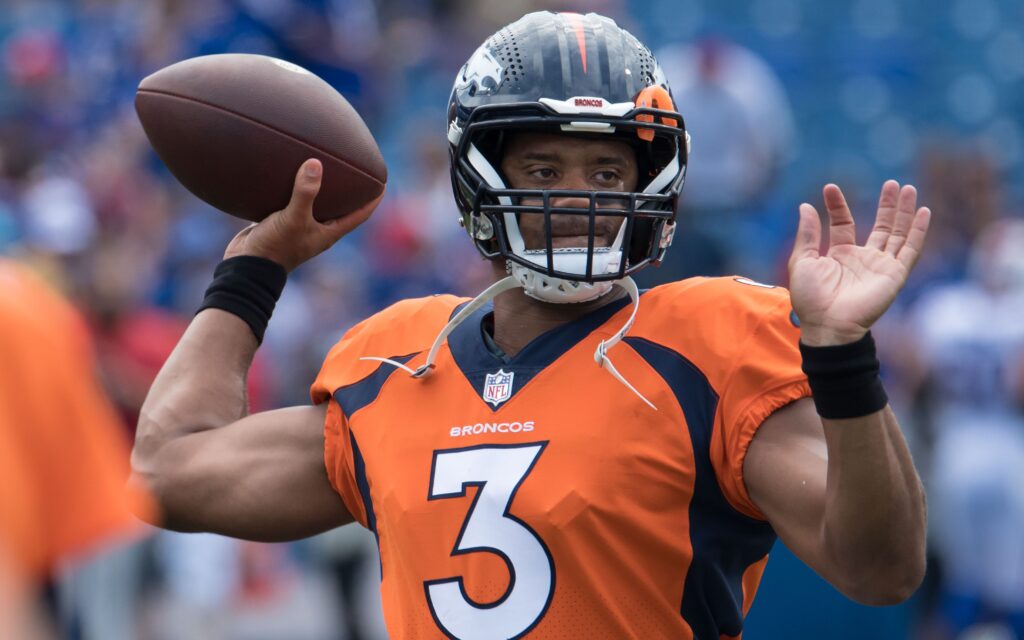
(234, 129)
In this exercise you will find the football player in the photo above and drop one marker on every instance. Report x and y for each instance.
(564, 456)
(63, 456)
(968, 343)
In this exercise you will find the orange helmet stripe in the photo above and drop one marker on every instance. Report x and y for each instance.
(581, 36)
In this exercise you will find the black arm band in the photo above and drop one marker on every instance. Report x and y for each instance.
(248, 287)
(844, 379)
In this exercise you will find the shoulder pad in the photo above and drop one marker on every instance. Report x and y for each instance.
(709, 320)
(404, 328)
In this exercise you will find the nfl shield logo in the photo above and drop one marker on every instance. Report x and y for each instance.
(498, 387)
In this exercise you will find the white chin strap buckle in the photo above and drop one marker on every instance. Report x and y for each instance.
(545, 288)
(556, 290)
(601, 353)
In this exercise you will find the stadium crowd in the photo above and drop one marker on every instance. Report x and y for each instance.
(779, 95)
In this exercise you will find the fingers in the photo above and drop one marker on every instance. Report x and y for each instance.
(808, 235)
(316, 236)
(911, 249)
(841, 228)
(906, 207)
(886, 216)
(307, 185)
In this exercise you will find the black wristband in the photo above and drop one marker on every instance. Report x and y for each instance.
(844, 379)
(248, 287)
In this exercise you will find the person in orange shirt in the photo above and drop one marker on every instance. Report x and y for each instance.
(564, 455)
(63, 454)
(20, 617)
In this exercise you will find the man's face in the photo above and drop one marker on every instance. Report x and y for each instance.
(552, 161)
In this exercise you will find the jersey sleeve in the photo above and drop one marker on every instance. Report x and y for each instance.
(340, 462)
(341, 365)
(404, 329)
(764, 376)
(743, 337)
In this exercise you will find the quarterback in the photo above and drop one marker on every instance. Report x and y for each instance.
(564, 456)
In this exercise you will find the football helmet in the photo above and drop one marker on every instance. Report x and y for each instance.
(578, 75)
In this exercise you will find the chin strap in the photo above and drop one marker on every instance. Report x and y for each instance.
(485, 296)
(601, 354)
(505, 284)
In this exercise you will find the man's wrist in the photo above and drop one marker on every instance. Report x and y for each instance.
(844, 378)
(248, 287)
(814, 336)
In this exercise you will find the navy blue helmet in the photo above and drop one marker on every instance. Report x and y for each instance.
(581, 75)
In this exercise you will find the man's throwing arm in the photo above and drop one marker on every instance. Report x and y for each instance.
(212, 467)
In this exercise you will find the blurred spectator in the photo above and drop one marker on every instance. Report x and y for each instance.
(349, 555)
(965, 192)
(741, 125)
(415, 239)
(968, 342)
(203, 575)
(20, 617)
(741, 120)
(63, 454)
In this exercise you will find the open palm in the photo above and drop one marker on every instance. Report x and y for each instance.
(840, 294)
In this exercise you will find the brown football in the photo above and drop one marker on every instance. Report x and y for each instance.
(234, 129)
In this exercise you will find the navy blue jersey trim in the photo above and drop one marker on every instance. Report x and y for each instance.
(476, 360)
(364, 493)
(357, 395)
(725, 542)
(363, 483)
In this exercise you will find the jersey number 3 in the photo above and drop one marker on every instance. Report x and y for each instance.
(497, 471)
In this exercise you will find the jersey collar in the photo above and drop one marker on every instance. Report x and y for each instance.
(476, 360)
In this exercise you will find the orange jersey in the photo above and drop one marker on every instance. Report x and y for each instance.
(63, 451)
(536, 495)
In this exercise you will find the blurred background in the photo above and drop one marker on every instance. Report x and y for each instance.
(780, 96)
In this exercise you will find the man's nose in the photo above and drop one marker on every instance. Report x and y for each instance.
(572, 181)
(570, 202)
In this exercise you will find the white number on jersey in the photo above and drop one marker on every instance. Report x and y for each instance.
(497, 471)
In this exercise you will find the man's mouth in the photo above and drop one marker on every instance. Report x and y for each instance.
(573, 232)
(562, 241)
(576, 234)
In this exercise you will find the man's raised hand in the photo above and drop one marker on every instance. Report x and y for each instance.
(840, 294)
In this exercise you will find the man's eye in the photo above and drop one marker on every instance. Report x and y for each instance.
(543, 173)
(606, 176)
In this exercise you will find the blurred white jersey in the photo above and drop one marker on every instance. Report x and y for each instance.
(973, 344)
